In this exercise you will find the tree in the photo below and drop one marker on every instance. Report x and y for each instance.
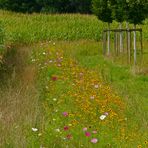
(137, 14)
(48, 6)
(81, 6)
(20, 5)
(120, 11)
(103, 10)
(66, 6)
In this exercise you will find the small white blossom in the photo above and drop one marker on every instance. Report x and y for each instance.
(57, 130)
(47, 87)
(54, 99)
(102, 117)
(92, 97)
(34, 129)
(50, 61)
(96, 86)
(40, 134)
(33, 60)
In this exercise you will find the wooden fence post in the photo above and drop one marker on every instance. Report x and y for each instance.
(141, 42)
(128, 41)
(115, 42)
(129, 46)
(104, 42)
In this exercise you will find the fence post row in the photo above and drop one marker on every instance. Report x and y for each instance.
(116, 41)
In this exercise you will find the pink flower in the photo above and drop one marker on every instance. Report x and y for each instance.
(65, 114)
(94, 140)
(66, 128)
(87, 134)
(106, 113)
(85, 129)
(94, 132)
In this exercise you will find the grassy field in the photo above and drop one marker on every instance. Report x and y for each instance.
(59, 84)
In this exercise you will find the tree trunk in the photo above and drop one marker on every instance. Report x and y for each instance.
(121, 38)
(128, 42)
(127, 25)
(108, 52)
(135, 50)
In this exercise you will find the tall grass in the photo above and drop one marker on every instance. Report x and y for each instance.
(1, 38)
(20, 108)
(20, 111)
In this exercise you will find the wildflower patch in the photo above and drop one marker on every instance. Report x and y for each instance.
(81, 109)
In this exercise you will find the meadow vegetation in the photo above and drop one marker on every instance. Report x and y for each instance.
(55, 80)
(25, 28)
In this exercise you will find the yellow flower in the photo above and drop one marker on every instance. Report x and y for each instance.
(139, 146)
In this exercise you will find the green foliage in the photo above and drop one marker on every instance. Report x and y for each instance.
(20, 5)
(48, 6)
(102, 9)
(120, 10)
(146, 8)
(133, 11)
(82, 6)
(138, 11)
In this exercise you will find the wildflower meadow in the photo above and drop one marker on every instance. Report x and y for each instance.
(58, 90)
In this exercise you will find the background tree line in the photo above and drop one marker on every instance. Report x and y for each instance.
(49, 6)
(111, 9)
